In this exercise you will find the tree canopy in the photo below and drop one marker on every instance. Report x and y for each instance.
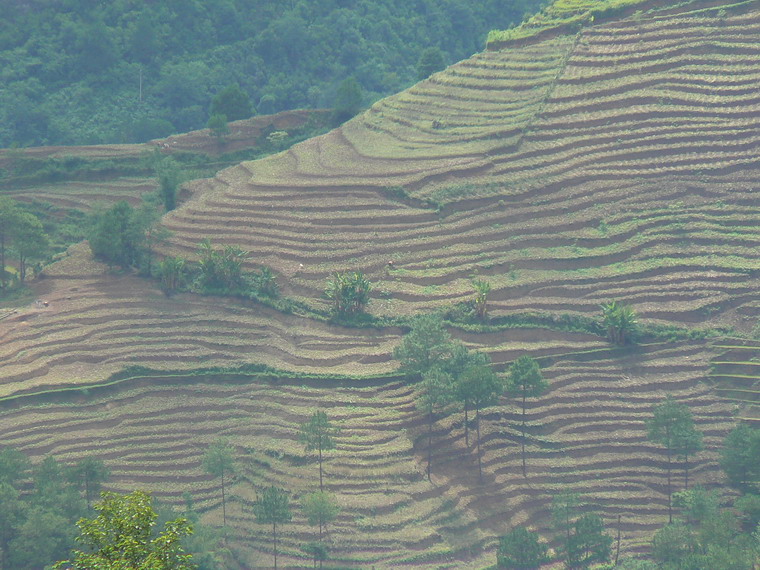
(84, 72)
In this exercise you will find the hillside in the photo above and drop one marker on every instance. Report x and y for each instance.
(618, 161)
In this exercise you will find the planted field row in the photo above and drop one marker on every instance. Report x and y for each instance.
(735, 373)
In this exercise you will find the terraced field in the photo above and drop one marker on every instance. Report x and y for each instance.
(590, 426)
(619, 162)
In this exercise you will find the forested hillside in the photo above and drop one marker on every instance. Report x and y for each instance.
(72, 71)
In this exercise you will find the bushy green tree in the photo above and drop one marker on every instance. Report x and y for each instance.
(318, 434)
(29, 241)
(525, 381)
(273, 507)
(740, 457)
(172, 273)
(218, 126)
(348, 100)
(426, 345)
(8, 216)
(589, 543)
(430, 61)
(320, 509)
(231, 102)
(220, 270)
(169, 175)
(117, 235)
(521, 549)
(121, 537)
(482, 288)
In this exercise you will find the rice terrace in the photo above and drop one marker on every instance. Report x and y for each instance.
(604, 151)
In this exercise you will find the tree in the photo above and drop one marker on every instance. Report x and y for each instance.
(459, 360)
(484, 388)
(320, 509)
(117, 235)
(688, 441)
(13, 466)
(29, 240)
(231, 102)
(348, 100)
(564, 509)
(589, 543)
(169, 176)
(521, 548)
(740, 458)
(620, 321)
(88, 474)
(44, 536)
(218, 126)
(349, 293)
(482, 288)
(220, 270)
(670, 420)
(11, 517)
(318, 552)
(319, 434)
(525, 380)
(426, 345)
(219, 461)
(172, 271)
(431, 61)
(273, 507)
(437, 392)
(120, 537)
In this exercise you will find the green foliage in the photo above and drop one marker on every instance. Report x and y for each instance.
(318, 434)
(169, 177)
(621, 323)
(117, 235)
(22, 234)
(431, 60)
(482, 288)
(264, 283)
(220, 271)
(172, 274)
(218, 126)
(273, 507)
(88, 475)
(320, 509)
(672, 427)
(740, 458)
(589, 543)
(349, 293)
(348, 100)
(426, 345)
(525, 381)
(231, 102)
(219, 460)
(120, 537)
(73, 76)
(521, 548)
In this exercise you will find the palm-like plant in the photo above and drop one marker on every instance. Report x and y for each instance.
(349, 292)
(621, 322)
(482, 288)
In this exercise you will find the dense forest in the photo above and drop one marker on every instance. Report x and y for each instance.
(86, 71)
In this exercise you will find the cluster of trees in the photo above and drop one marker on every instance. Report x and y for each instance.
(36, 523)
(451, 375)
(704, 536)
(21, 237)
(140, 70)
(272, 506)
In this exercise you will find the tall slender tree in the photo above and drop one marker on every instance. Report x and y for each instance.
(318, 434)
(436, 393)
(273, 507)
(484, 387)
(89, 474)
(526, 381)
(670, 419)
(219, 461)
